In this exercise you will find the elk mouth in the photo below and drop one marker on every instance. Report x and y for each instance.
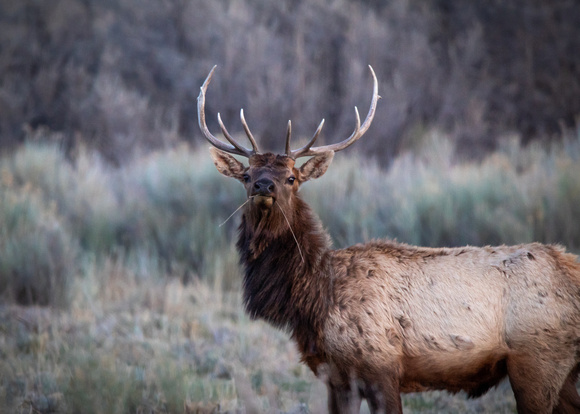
(263, 201)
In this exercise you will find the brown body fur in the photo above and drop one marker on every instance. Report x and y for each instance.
(383, 318)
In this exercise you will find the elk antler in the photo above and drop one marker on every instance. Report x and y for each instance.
(307, 150)
(235, 147)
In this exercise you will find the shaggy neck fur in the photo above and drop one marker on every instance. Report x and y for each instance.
(286, 288)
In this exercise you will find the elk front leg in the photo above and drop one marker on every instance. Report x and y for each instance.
(384, 397)
(344, 395)
(343, 398)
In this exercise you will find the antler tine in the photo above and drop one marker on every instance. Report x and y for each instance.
(235, 148)
(229, 137)
(359, 131)
(295, 154)
(288, 135)
(248, 133)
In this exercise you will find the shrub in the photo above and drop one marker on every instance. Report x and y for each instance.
(429, 198)
(161, 215)
(81, 192)
(174, 204)
(37, 254)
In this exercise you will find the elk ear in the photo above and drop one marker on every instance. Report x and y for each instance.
(316, 166)
(227, 164)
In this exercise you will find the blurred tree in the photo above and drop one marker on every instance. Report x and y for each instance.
(124, 75)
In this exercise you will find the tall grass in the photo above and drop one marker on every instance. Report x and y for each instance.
(142, 285)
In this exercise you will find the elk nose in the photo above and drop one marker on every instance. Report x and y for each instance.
(264, 186)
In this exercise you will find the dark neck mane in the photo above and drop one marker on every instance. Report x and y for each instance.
(288, 287)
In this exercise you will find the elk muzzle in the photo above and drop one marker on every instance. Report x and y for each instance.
(263, 192)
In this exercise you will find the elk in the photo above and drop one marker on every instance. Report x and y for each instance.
(384, 318)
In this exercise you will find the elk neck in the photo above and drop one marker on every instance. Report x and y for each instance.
(287, 285)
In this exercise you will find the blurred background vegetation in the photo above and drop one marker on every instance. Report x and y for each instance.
(161, 214)
(119, 281)
(124, 74)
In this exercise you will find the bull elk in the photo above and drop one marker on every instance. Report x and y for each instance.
(383, 317)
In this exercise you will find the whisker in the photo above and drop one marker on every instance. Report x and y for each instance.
(237, 209)
(291, 231)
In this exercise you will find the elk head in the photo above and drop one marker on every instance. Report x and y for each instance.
(273, 180)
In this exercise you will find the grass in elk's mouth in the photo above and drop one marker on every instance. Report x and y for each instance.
(292, 231)
(236, 210)
(263, 201)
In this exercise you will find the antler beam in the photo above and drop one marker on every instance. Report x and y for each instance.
(309, 150)
(235, 147)
(306, 151)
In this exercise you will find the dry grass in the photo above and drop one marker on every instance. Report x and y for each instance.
(134, 347)
(131, 347)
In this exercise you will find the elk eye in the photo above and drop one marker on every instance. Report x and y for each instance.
(246, 177)
(291, 180)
